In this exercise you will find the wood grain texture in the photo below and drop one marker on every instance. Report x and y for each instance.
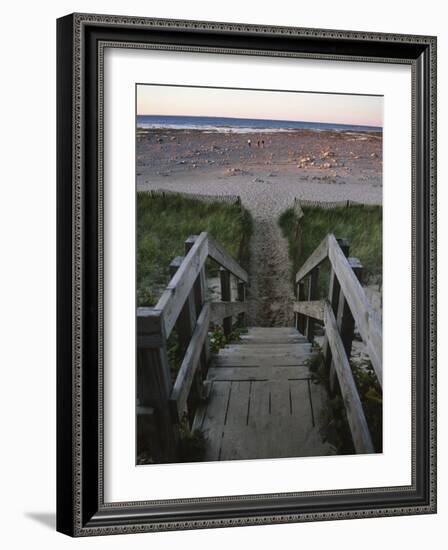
(271, 406)
(174, 297)
(313, 261)
(190, 362)
(353, 407)
(221, 310)
(220, 256)
(365, 317)
(313, 292)
(226, 297)
(314, 309)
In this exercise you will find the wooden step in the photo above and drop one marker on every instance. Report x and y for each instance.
(262, 401)
(263, 341)
(269, 336)
(246, 419)
(241, 361)
(275, 349)
(300, 372)
(272, 331)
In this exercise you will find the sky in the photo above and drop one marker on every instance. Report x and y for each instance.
(272, 105)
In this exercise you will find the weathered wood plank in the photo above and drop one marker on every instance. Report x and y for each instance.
(265, 342)
(226, 296)
(312, 295)
(239, 404)
(269, 409)
(279, 348)
(154, 385)
(260, 420)
(212, 418)
(316, 258)
(344, 319)
(334, 293)
(282, 350)
(300, 320)
(353, 407)
(365, 317)
(267, 361)
(260, 337)
(220, 310)
(199, 288)
(272, 336)
(313, 308)
(220, 256)
(187, 316)
(241, 297)
(151, 340)
(280, 419)
(259, 373)
(199, 284)
(178, 289)
(277, 331)
(190, 362)
(148, 327)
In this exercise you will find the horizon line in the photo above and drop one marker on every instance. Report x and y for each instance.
(264, 119)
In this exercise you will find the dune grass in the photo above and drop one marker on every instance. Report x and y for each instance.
(164, 222)
(360, 225)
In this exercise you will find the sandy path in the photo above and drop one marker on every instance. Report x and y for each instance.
(271, 293)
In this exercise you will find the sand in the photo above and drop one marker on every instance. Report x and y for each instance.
(307, 164)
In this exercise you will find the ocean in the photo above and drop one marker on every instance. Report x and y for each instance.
(242, 125)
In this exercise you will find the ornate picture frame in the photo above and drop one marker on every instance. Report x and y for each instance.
(81, 506)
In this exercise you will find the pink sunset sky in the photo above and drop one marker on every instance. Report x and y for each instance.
(259, 104)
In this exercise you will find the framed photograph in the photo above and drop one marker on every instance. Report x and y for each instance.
(246, 274)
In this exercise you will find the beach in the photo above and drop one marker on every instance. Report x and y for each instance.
(267, 170)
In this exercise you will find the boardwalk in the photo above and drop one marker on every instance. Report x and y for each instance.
(262, 402)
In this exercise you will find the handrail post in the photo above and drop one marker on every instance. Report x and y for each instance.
(241, 287)
(225, 297)
(187, 317)
(356, 418)
(344, 319)
(200, 283)
(185, 326)
(157, 431)
(333, 297)
(300, 320)
(199, 293)
(312, 295)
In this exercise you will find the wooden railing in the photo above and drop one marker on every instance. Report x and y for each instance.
(345, 307)
(162, 403)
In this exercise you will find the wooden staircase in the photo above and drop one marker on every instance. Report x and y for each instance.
(261, 400)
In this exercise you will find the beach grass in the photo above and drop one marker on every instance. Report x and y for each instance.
(361, 225)
(165, 221)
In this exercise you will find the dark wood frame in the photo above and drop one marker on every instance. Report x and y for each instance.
(81, 509)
